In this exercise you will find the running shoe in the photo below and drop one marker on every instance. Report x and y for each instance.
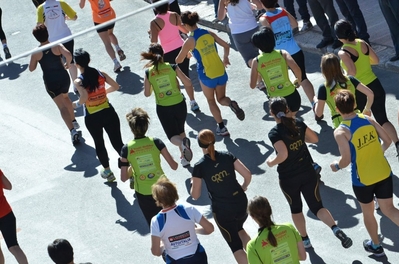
(122, 55)
(194, 106)
(306, 243)
(117, 67)
(237, 110)
(397, 148)
(185, 163)
(306, 26)
(75, 124)
(108, 175)
(186, 151)
(222, 132)
(7, 53)
(378, 252)
(376, 204)
(345, 240)
(75, 137)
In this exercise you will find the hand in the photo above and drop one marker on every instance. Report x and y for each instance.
(269, 162)
(226, 61)
(66, 65)
(189, 55)
(367, 112)
(333, 167)
(244, 187)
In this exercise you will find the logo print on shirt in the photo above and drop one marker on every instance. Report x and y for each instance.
(217, 164)
(218, 177)
(264, 243)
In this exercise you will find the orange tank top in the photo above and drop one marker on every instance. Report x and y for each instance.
(102, 11)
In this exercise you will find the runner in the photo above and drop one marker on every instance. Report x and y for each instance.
(174, 229)
(358, 138)
(8, 224)
(229, 201)
(61, 252)
(142, 154)
(279, 83)
(103, 12)
(56, 79)
(53, 14)
(282, 23)
(274, 241)
(356, 58)
(296, 172)
(165, 28)
(171, 106)
(335, 80)
(99, 113)
(4, 39)
(211, 73)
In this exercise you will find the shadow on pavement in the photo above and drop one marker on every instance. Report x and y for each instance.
(130, 82)
(198, 121)
(84, 159)
(12, 70)
(203, 199)
(314, 258)
(326, 142)
(133, 218)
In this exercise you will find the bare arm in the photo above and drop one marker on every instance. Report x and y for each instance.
(254, 74)
(154, 31)
(382, 134)
(196, 184)
(342, 136)
(124, 174)
(293, 66)
(156, 248)
(33, 62)
(6, 183)
(188, 45)
(183, 78)
(169, 159)
(346, 59)
(222, 10)
(293, 22)
(206, 227)
(82, 3)
(226, 48)
(147, 86)
(244, 172)
(114, 86)
(370, 98)
(83, 95)
(66, 53)
(319, 107)
(301, 251)
(311, 136)
(263, 21)
(282, 154)
(374, 60)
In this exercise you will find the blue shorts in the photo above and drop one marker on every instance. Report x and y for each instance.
(212, 83)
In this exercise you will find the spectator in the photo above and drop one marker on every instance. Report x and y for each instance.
(390, 10)
(303, 11)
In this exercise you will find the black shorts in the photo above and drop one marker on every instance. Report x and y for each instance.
(173, 118)
(104, 28)
(57, 83)
(69, 46)
(293, 101)
(148, 206)
(306, 183)
(299, 58)
(381, 190)
(8, 227)
(171, 57)
(230, 221)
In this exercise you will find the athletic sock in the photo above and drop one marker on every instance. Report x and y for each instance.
(335, 229)
(4, 45)
(374, 246)
(305, 238)
(117, 47)
(221, 125)
(192, 101)
(115, 61)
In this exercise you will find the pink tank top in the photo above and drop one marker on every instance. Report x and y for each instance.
(169, 36)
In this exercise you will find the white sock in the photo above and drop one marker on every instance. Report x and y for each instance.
(192, 101)
(117, 47)
(4, 45)
(115, 61)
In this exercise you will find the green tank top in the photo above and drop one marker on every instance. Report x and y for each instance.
(331, 92)
(165, 85)
(144, 157)
(274, 71)
(364, 72)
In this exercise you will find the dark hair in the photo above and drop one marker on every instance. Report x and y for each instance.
(345, 101)
(40, 32)
(161, 9)
(264, 40)
(138, 120)
(90, 75)
(278, 106)
(331, 69)
(344, 30)
(260, 209)
(233, 2)
(269, 3)
(154, 55)
(60, 251)
(189, 18)
(207, 139)
(164, 192)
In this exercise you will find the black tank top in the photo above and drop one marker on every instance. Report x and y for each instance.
(50, 62)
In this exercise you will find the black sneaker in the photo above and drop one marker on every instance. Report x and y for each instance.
(378, 252)
(7, 53)
(237, 110)
(345, 240)
(337, 44)
(324, 43)
(397, 148)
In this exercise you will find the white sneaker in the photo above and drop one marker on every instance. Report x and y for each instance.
(75, 124)
(109, 175)
(117, 67)
(222, 132)
(185, 163)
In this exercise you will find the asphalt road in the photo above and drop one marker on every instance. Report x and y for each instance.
(58, 192)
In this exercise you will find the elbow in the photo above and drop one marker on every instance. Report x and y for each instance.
(211, 229)
(156, 251)
(174, 166)
(195, 196)
(302, 257)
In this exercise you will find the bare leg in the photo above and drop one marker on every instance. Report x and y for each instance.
(18, 254)
(369, 221)
(300, 224)
(308, 89)
(68, 105)
(241, 257)
(177, 141)
(245, 238)
(387, 208)
(2, 261)
(60, 102)
(389, 128)
(107, 43)
(112, 37)
(220, 91)
(210, 97)
(324, 215)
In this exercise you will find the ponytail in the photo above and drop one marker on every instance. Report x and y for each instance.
(154, 55)
(206, 140)
(90, 75)
(278, 107)
(270, 236)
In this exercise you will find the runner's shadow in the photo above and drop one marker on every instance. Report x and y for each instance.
(84, 159)
(194, 78)
(12, 70)
(129, 82)
(204, 197)
(198, 121)
(314, 258)
(326, 136)
(132, 217)
(249, 152)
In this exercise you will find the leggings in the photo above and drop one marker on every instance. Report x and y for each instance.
(105, 119)
(148, 206)
(8, 229)
(2, 35)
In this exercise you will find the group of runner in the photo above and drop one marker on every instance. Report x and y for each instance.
(140, 158)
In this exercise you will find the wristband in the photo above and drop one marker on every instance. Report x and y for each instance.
(337, 166)
(123, 164)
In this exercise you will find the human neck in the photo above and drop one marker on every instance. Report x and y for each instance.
(167, 208)
(349, 116)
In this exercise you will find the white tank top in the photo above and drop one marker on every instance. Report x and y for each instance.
(241, 18)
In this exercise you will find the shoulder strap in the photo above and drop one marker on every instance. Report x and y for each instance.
(161, 218)
(157, 24)
(181, 212)
(176, 19)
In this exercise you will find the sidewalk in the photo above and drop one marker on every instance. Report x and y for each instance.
(377, 28)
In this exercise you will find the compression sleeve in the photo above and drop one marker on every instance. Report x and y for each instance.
(40, 14)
